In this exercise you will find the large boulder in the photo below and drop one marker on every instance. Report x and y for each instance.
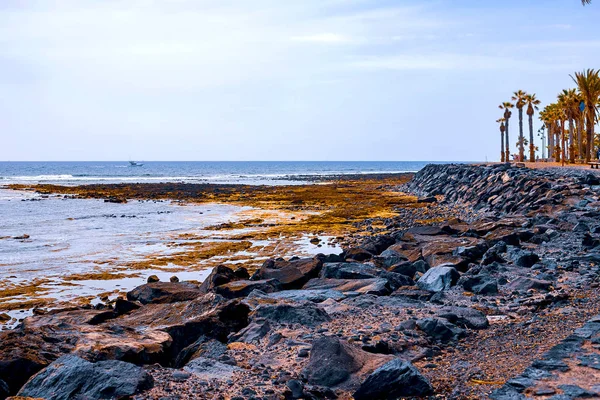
(363, 271)
(314, 295)
(438, 279)
(440, 330)
(73, 377)
(523, 283)
(209, 315)
(243, 288)
(522, 258)
(393, 380)
(291, 274)
(221, 275)
(465, 317)
(479, 284)
(203, 347)
(376, 286)
(303, 313)
(164, 292)
(388, 258)
(333, 361)
(41, 339)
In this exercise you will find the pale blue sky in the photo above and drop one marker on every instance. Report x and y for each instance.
(279, 79)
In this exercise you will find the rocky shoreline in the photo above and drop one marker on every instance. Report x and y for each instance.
(490, 303)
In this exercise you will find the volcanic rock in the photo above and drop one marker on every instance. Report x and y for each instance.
(72, 377)
(438, 279)
(164, 292)
(396, 379)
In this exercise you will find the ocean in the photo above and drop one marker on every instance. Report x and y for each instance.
(247, 172)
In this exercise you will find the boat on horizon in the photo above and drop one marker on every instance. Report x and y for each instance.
(135, 164)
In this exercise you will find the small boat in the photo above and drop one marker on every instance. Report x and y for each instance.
(135, 164)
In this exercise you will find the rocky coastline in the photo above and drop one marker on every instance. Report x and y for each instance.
(495, 298)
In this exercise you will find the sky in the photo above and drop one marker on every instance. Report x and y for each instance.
(279, 79)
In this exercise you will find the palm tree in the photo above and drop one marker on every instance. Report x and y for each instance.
(588, 83)
(502, 129)
(532, 105)
(584, 2)
(569, 101)
(519, 98)
(506, 106)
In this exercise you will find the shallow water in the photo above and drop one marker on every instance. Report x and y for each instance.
(76, 236)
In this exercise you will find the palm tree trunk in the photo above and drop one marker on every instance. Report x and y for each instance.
(590, 133)
(501, 146)
(531, 146)
(562, 134)
(550, 141)
(571, 142)
(521, 149)
(507, 147)
(579, 140)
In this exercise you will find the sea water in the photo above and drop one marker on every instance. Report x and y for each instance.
(258, 172)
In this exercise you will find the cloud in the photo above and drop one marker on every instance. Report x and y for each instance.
(324, 38)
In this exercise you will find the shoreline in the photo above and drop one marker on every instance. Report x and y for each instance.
(480, 273)
(262, 226)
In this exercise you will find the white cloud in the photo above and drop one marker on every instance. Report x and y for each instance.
(325, 38)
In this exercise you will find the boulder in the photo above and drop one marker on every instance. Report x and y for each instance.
(253, 333)
(438, 279)
(522, 258)
(164, 292)
(363, 271)
(314, 295)
(41, 339)
(408, 250)
(440, 330)
(73, 377)
(393, 380)
(494, 254)
(388, 258)
(523, 283)
(221, 275)
(209, 315)
(404, 268)
(333, 361)
(464, 317)
(243, 288)
(203, 347)
(303, 313)
(377, 244)
(357, 254)
(479, 284)
(376, 286)
(291, 274)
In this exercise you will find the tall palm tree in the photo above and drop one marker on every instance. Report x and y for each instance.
(502, 129)
(519, 99)
(569, 101)
(532, 105)
(584, 2)
(588, 83)
(506, 106)
(545, 118)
